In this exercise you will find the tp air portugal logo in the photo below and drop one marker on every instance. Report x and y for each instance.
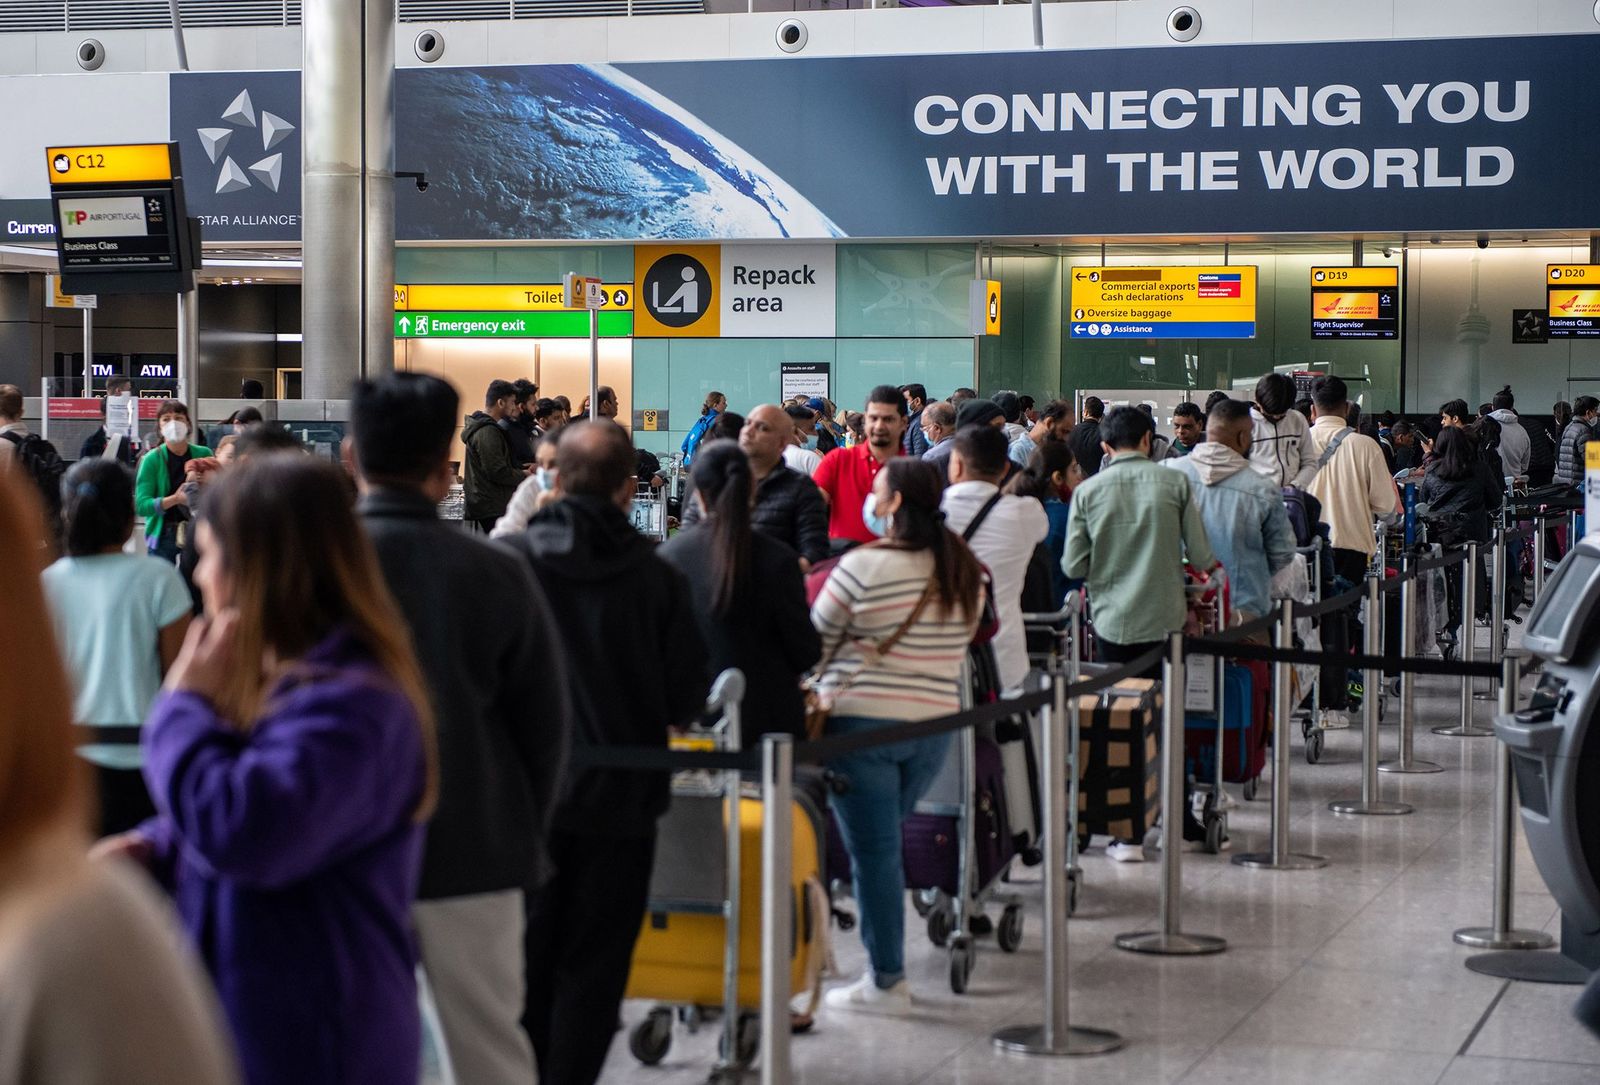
(227, 147)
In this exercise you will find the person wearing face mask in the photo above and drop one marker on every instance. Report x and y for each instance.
(896, 617)
(158, 493)
(845, 475)
(535, 492)
(801, 454)
(1243, 515)
(1280, 449)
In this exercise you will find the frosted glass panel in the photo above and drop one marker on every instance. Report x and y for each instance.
(613, 263)
(942, 365)
(904, 290)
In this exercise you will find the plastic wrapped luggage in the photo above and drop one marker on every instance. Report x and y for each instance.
(1119, 747)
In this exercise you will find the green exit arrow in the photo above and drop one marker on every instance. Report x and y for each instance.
(572, 324)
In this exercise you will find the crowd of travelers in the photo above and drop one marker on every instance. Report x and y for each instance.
(338, 732)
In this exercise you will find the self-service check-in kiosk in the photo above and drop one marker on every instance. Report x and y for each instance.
(1555, 756)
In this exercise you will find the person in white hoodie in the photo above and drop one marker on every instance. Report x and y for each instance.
(1279, 450)
(1515, 446)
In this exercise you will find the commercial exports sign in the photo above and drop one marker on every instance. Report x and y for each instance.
(1163, 302)
(1428, 135)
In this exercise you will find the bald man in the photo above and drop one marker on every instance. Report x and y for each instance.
(1243, 512)
(788, 505)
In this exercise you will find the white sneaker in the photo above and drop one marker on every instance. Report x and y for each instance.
(865, 996)
(1119, 852)
(1333, 720)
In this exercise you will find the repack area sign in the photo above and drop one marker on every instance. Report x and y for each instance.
(1355, 302)
(1573, 293)
(1163, 302)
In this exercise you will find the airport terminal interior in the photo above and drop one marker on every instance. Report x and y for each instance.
(1199, 348)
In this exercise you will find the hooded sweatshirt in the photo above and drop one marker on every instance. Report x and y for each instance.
(1278, 450)
(637, 662)
(489, 473)
(1515, 447)
(1244, 518)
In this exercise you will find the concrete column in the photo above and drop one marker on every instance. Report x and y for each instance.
(348, 184)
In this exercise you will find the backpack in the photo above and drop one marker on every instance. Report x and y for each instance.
(1038, 589)
(45, 466)
(691, 443)
(1304, 511)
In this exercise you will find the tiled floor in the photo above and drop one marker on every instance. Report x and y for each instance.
(1346, 974)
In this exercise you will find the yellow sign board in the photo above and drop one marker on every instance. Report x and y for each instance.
(1572, 301)
(1216, 302)
(1351, 278)
(109, 165)
(1591, 456)
(58, 300)
(498, 297)
(650, 420)
(984, 298)
(679, 289)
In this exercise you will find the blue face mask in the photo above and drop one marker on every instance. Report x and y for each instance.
(546, 477)
(811, 442)
(878, 525)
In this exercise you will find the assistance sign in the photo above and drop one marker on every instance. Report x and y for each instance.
(1573, 300)
(1355, 302)
(1216, 302)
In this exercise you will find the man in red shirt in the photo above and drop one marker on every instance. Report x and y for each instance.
(845, 474)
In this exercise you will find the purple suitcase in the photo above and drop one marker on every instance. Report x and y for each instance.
(929, 844)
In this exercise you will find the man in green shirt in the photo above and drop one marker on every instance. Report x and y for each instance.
(1131, 528)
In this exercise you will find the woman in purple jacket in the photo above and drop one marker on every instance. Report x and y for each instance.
(291, 759)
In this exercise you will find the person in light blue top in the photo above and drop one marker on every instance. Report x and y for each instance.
(1242, 510)
(119, 619)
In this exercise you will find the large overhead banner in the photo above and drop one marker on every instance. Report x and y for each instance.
(1432, 135)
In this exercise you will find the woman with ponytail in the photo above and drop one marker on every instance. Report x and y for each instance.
(1050, 477)
(715, 405)
(752, 597)
(896, 617)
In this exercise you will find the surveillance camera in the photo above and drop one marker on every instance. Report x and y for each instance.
(422, 184)
(418, 178)
(429, 46)
(792, 35)
(1388, 253)
(91, 54)
(1483, 241)
(1183, 24)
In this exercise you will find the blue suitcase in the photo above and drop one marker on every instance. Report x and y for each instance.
(1246, 725)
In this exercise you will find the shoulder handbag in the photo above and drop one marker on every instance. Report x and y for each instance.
(819, 703)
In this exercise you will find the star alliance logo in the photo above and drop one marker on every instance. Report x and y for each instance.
(241, 115)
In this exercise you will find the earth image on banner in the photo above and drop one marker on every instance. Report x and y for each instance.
(581, 152)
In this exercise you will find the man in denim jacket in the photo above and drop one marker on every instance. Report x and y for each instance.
(1243, 514)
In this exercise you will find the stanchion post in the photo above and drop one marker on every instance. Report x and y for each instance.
(1539, 546)
(1372, 680)
(1469, 649)
(1407, 762)
(1055, 1036)
(777, 904)
(1501, 934)
(1497, 603)
(1170, 939)
(1278, 856)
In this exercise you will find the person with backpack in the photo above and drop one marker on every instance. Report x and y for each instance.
(158, 493)
(1353, 484)
(34, 456)
(1002, 531)
(1049, 478)
(716, 403)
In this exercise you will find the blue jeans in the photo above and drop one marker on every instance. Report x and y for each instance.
(885, 782)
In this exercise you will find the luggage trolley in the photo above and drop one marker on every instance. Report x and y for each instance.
(1063, 652)
(953, 794)
(691, 879)
(649, 512)
(1311, 725)
(1209, 602)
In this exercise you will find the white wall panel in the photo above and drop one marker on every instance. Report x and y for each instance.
(19, 54)
(547, 41)
(1348, 20)
(1089, 25)
(464, 43)
(59, 52)
(278, 48)
(1460, 19)
(667, 37)
(1566, 17)
(1222, 22)
(756, 35)
(105, 107)
(935, 30)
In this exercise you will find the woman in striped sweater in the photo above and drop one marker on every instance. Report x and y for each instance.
(896, 617)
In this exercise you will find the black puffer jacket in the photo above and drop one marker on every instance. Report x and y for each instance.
(789, 508)
(1461, 507)
(1569, 453)
(635, 656)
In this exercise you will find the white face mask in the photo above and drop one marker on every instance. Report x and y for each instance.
(174, 430)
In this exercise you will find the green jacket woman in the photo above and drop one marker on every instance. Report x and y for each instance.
(159, 486)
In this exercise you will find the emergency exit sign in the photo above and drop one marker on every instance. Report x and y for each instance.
(570, 324)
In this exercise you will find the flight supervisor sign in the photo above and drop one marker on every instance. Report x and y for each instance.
(1573, 293)
(1163, 302)
(1355, 302)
